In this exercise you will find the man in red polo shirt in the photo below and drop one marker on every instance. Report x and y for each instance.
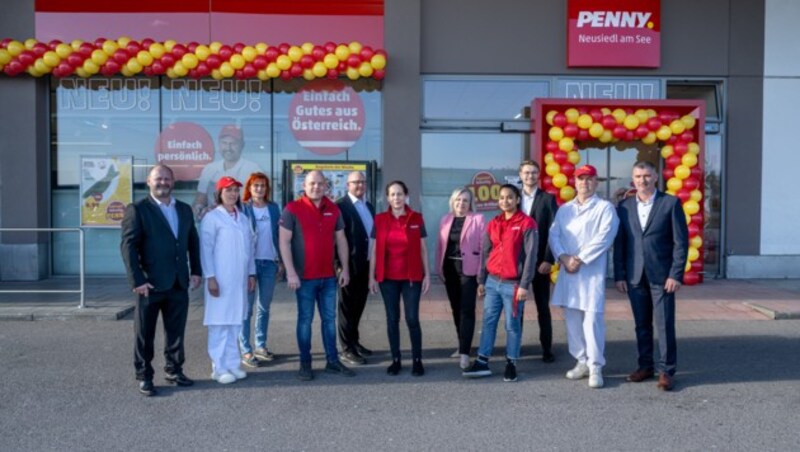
(310, 228)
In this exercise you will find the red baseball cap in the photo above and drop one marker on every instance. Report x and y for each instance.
(227, 181)
(231, 131)
(586, 170)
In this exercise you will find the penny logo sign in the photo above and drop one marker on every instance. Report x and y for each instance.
(326, 117)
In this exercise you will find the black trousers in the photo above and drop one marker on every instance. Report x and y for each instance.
(649, 303)
(173, 304)
(541, 295)
(352, 300)
(462, 292)
(392, 290)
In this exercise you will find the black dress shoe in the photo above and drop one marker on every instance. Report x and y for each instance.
(417, 369)
(351, 357)
(363, 351)
(548, 357)
(146, 388)
(179, 379)
(394, 369)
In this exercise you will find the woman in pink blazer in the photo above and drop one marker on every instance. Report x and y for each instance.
(458, 258)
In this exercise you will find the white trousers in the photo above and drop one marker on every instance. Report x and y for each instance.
(223, 346)
(586, 336)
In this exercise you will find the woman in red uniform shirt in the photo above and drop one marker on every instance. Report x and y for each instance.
(399, 265)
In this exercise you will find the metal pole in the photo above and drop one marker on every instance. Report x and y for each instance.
(82, 269)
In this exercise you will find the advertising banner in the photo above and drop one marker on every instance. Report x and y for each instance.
(106, 188)
(485, 190)
(623, 33)
(185, 147)
(335, 173)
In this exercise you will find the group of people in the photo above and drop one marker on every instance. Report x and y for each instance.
(326, 249)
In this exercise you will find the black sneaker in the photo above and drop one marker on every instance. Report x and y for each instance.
(305, 373)
(394, 369)
(363, 351)
(354, 358)
(548, 357)
(477, 370)
(178, 378)
(335, 367)
(416, 368)
(511, 371)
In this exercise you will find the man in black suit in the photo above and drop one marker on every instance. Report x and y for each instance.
(649, 261)
(541, 206)
(159, 244)
(357, 214)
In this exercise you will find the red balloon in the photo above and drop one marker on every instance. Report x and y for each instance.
(75, 59)
(296, 70)
(683, 194)
(148, 71)
(193, 73)
(147, 42)
(697, 266)
(687, 136)
(179, 50)
(568, 169)
(680, 148)
(583, 135)
(272, 53)
(13, 68)
(619, 132)
(329, 47)
(249, 70)
(697, 219)
(690, 183)
(697, 172)
(551, 146)
(379, 74)
(98, 43)
(596, 114)
(571, 181)
(4, 43)
(654, 124)
(239, 74)
(133, 48)
(333, 74)
(167, 60)
(547, 182)
(354, 60)
(667, 116)
(39, 49)
(366, 53)
(307, 61)
(693, 229)
(285, 75)
(26, 58)
(214, 61)
(672, 140)
(260, 62)
(225, 52)
(609, 122)
(157, 67)
(629, 135)
(318, 53)
(554, 191)
(110, 68)
(284, 48)
(202, 69)
(673, 161)
(560, 202)
(559, 120)
(53, 44)
(668, 173)
(121, 56)
(560, 157)
(192, 46)
(238, 47)
(342, 67)
(571, 130)
(691, 279)
(642, 131)
(86, 50)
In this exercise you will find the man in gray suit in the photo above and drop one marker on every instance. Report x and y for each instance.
(649, 261)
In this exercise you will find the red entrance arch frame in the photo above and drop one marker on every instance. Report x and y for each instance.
(678, 126)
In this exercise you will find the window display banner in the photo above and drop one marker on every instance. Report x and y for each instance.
(335, 175)
(326, 117)
(106, 188)
(622, 33)
(485, 190)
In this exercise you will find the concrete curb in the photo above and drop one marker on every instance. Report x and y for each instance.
(63, 313)
(773, 314)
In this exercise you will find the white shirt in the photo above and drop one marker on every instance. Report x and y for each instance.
(643, 209)
(363, 213)
(527, 201)
(170, 213)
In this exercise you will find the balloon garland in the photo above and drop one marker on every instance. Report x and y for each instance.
(129, 58)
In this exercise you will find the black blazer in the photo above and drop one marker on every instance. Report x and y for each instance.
(543, 212)
(151, 253)
(357, 236)
(660, 250)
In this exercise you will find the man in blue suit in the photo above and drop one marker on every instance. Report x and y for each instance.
(649, 260)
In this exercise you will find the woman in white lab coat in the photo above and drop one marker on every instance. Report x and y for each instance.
(227, 253)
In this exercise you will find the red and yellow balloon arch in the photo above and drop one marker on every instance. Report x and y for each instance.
(676, 125)
(127, 57)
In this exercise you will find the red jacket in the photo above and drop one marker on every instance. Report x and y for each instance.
(509, 249)
(413, 227)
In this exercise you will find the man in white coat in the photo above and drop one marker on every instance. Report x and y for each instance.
(581, 235)
(227, 252)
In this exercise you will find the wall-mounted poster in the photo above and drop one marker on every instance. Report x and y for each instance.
(335, 173)
(106, 188)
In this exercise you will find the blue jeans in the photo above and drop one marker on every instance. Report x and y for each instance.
(392, 290)
(499, 298)
(265, 280)
(322, 292)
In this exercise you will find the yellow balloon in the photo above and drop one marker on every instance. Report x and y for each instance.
(663, 133)
(555, 133)
(689, 159)
(33, 72)
(64, 50)
(682, 172)
(109, 47)
(554, 277)
(216, 74)
(308, 74)
(319, 69)
(81, 72)
(342, 52)
(651, 113)
(672, 193)
(677, 127)
(15, 48)
(295, 53)
(605, 111)
(262, 74)
(169, 44)
(552, 169)
(249, 53)
(574, 157)
(284, 62)
(157, 50)
(273, 71)
(190, 60)
(203, 52)
(355, 47)
(237, 61)
(42, 67)
(595, 130)
(688, 217)
(549, 117)
(126, 72)
(560, 180)
(90, 67)
(226, 70)
(688, 266)
(134, 66)
(76, 44)
(674, 184)
(619, 114)
(330, 61)
(572, 115)
(123, 41)
(696, 195)
(179, 69)
(585, 121)
(667, 151)
(377, 61)
(693, 148)
(566, 144)
(99, 57)
(641, 115)
(365, 70)
(144, 58)
(566, 193)
(631, 122)
(548, 158)
(29, 43)
(696, 242)
(307, 47)
(214, 48)
(261, 48)
(606, 136)
(352, 73)
(691, 207)
(50, 58)
(171, 73)
(5, 57)
(650, 138)
(688, 121)
(693, 254)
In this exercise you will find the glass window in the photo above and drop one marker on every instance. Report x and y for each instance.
(480, 99)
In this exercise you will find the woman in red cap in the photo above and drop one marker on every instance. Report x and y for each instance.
(227, 255)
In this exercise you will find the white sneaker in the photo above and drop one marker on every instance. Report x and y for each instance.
(580, 370)
(596, 378)
(238, 373)
(464, 364)
(223, 378)
(455, 354)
